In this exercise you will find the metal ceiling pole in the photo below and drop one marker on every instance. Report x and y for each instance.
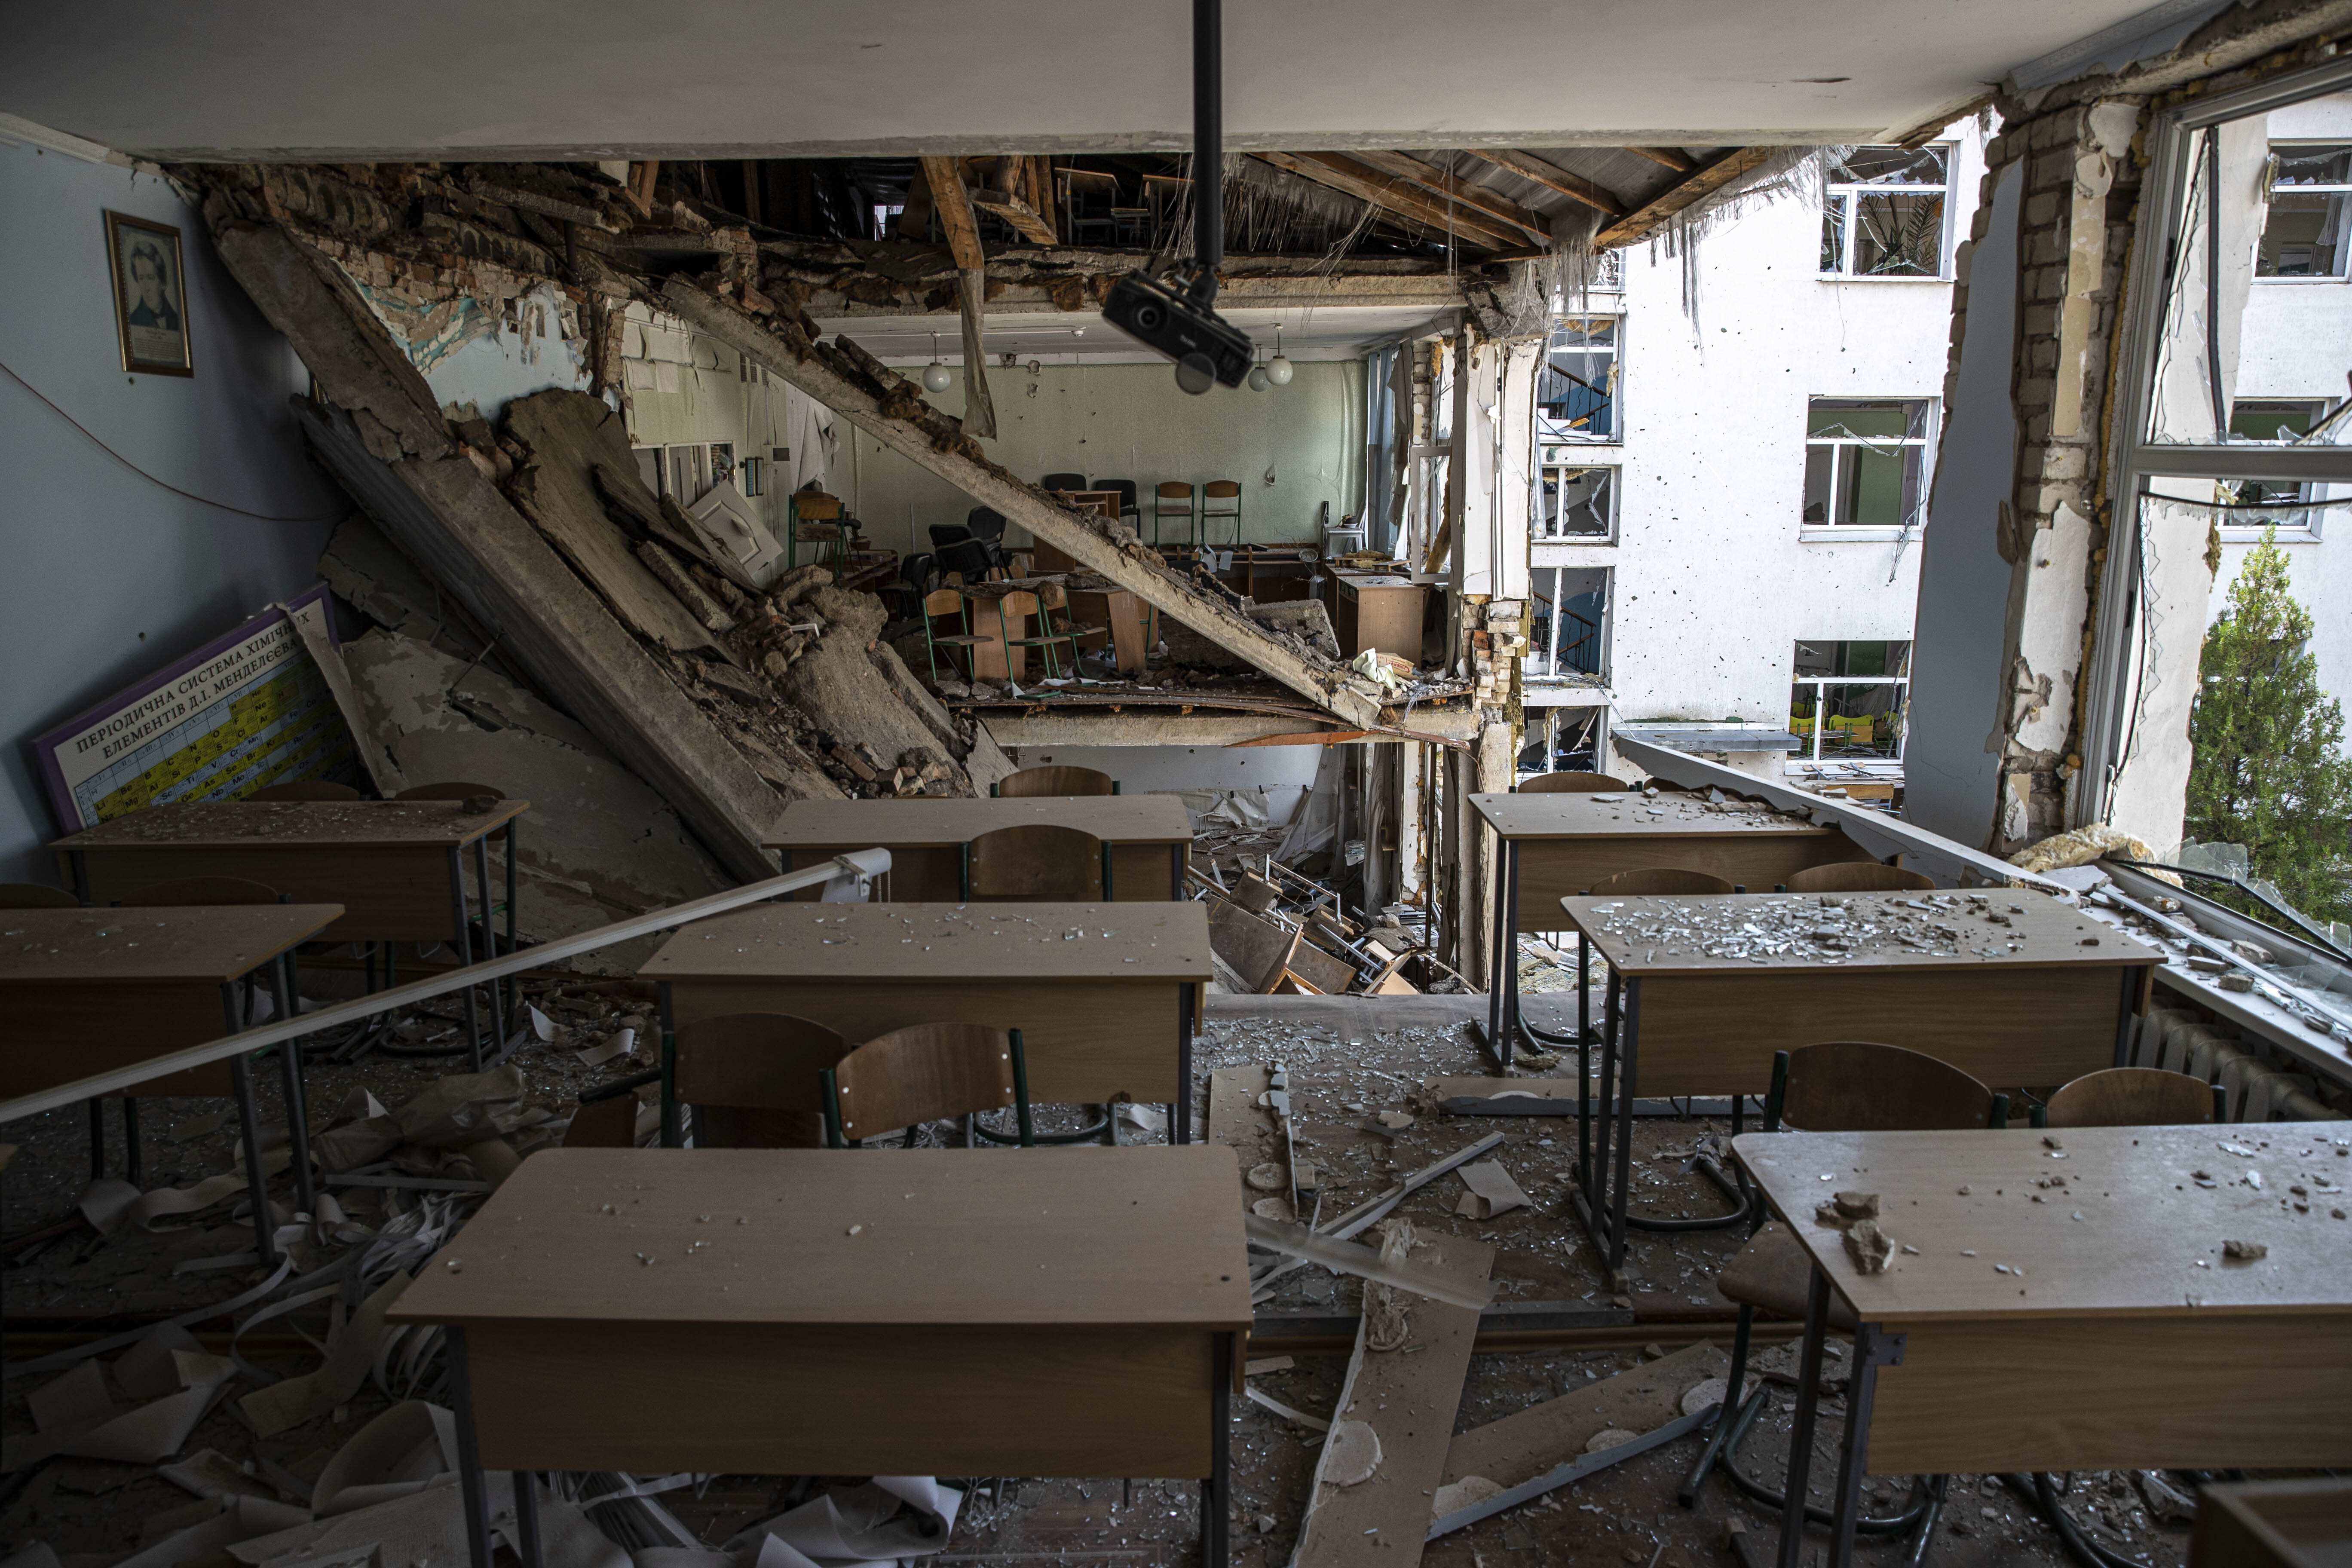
(1207, 135)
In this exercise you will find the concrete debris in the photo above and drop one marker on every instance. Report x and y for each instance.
(1351, 1456)
(1868, 1247)
(1268, 1177)
(1613, 1438)
(2244, 1251)
(1845, 1209)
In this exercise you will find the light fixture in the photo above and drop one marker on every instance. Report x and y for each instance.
(1279, 370)
(1258, 379)
(935, 374)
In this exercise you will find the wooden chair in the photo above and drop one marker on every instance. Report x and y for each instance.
(1858, 877)
(41, 896)
(942, 602)
(1030, 783)
(1842, 1086)
(925, 1072)
(186, 891)
(1655, 880)
(1036, 863)
(306, 789)
(1014, 609)
(1052, 633)
(751, 1078)
(815, 519)
(1220, 491)
(2134, 1097)
(1125, 490)
(1174, 498)
(1572, 784)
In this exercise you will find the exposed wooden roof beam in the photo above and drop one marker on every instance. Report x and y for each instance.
(1494, 204)
(1680, 163)
(1689, 193)
(1552, 177)
(1396, 196)
(953, 203)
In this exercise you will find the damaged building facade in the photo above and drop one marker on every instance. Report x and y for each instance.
(692, 589)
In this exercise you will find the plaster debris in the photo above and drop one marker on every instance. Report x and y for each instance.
(1868, 1247)
(2244, 1251)
(1351, 1456)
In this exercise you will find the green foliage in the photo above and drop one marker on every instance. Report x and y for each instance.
(2268, 772)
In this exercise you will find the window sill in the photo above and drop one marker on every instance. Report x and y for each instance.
(1865, 277)
(2315, 278)
(1584, 540)
(1814, 533)
(2254, 536)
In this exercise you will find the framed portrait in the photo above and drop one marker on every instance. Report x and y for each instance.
(150, 296)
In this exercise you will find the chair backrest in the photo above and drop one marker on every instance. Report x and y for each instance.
(1063, 482)
(41, 896)
(1858, 877)
(2130, 1096)
(942, 602)
(1221, 489)
(184, 891)
(968, 555)
(1037, 861)
(1125, 487)
(753, 1080)
(1172, 489)
(1860, 1086)
(816, 506)
(944, 534)
(450, 792)
(1053, 781)
(1653, 880)
(306, 789)
(925, 1072)
(1572, 784)
(985, 523)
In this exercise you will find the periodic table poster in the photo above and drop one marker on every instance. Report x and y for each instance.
(247, 709)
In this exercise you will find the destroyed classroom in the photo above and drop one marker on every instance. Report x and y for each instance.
(832, 789)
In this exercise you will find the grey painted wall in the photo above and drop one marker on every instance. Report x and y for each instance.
(1957, 679)
(105, 575)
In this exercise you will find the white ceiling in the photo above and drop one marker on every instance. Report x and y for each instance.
(578, 78)
(1323, 333)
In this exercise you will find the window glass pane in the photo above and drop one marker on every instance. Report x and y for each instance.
(2313, 165)
(1833, 221)
(1878, 486)
(1861, 720)
(2259, 420)
(1819, 465)
(1576, 502)
(1577, 384)
(1898, 235)
(1870, 421)
(1921, 166)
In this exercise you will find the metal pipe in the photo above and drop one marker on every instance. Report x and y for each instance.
(116, 1080)
(1208, 144)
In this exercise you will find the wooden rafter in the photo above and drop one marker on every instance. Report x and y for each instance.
(1395, 196)
(1640, 224)
(1552, 177)
(1680, 163)
(953, 204)
(1493, 204)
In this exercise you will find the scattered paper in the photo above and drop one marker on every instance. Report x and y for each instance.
(623, 1043)
(1492, 1191)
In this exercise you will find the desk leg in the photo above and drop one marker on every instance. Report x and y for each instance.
(526, 1507)
(1628, 1054)
(1800, 1441)
(1871, 1350)
(298, 1110)
(1179, 1122)
(490, 942)
(1585, 1063)
(1595, 1159)
(248, 1118)
(461, 942)
(1176, 872)
(470, 1479)
(672, 1137)
(1216, 1492)
(2134, 979)
(1496, 1046)
(1507, 871)
(512, 890)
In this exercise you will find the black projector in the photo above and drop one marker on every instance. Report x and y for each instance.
(1205, 346)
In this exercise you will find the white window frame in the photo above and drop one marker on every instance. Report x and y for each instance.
(1902, 703)
(1548, 656)
(2343, 244)
(1846, 194)
(1548, 434)
(1547, 460)
(1828, 527)
(2305, 531)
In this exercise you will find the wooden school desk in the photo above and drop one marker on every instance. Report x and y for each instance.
(88, 989)
(1065, 1312)
(1377, 610)
(2100, 1328)
(397, 867)
(1103, 1016)
(1556, 846)
(1150, 837)
(1999, 985)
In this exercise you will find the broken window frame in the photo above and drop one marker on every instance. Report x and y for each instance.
(1605, 386)
(1844, 209)
(1846, 451)
(1895, 663)
(2141, 467)
(1543, 515)
(2256, 506)
(1544, 617)
(2337, 198)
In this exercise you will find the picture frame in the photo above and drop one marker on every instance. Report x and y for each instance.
(150, 296)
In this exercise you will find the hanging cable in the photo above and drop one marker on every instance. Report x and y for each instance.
(161, 484)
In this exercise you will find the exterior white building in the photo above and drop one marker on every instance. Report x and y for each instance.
(1732, 494)
(2295, 366)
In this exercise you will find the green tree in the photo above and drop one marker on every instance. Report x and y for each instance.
(2267, 772)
